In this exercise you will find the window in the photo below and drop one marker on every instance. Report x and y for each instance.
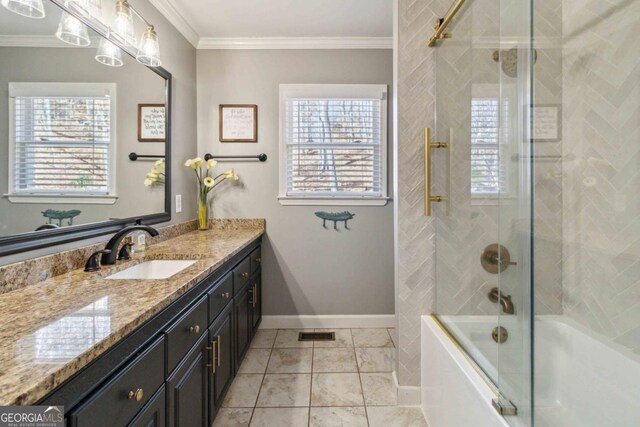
(62, 140)
(333, 144)
(489, 168)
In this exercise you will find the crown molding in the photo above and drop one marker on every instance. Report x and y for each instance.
(177, 20)
(40, 41)
(295, 43)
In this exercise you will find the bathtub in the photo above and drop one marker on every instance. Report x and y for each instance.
(579, 379)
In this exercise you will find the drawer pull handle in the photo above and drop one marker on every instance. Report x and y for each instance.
(137, 395)
(218, 352)
(225, 295)
(244, 275)
(194, 329)
(212, 365)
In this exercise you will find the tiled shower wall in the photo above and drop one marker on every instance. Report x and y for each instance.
(601, 124)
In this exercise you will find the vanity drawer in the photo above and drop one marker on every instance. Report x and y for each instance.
(256, 260)
(241, 274)
(219, 296)
(184, 333)
(118, 401)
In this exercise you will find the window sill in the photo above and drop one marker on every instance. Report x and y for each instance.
(61, 199)
(332, 201)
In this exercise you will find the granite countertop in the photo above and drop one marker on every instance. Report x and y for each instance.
(50, 330)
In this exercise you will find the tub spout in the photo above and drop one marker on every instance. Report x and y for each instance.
(504, 300)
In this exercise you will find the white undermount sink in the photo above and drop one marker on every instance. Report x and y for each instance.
(153, 270)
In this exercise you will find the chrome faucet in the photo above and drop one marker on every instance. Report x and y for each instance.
(109, 258)
(505, 300)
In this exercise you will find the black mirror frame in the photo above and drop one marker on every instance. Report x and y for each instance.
(33, 240)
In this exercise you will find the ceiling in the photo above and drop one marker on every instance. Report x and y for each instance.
(202, 21)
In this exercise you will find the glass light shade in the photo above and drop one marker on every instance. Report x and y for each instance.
(91, 7)
(109, 54)
(72, 31)
(29, 8)
(149, 49)
(123, 23)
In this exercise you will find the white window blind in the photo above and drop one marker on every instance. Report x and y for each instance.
(62, 143)
(489, 174)
(333, 146)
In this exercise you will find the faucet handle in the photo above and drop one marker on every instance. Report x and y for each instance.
(124, 253)
(92, 263)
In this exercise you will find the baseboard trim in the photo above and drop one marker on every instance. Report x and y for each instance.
(328, 321)
(407, 395)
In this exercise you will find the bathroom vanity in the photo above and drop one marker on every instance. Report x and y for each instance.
(135, 351)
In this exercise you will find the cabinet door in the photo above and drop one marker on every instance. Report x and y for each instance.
(154, 414)
(221, 338)
(242, 305)
(256, 306)
(188, 388)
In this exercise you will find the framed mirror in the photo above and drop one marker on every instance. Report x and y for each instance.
(72, 162)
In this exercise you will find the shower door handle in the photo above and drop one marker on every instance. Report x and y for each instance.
(428, 145)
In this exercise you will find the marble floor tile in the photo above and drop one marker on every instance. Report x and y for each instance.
(375, 359)
(343, 339)
(371, 338)
(280, 417)
(288, 338)
(378, 389)
(233, 417)
(290, 361)
(334, 360)
(396, 416)
(338, 417)
(264, 338)
(394, 336)
(255, 362)
(243, 391)
(336, 390)
(285, 390)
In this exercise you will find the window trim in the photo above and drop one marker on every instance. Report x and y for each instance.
(62, 89)
(333, 91)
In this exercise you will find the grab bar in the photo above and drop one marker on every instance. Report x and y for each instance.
(442, 23)
(428, 145)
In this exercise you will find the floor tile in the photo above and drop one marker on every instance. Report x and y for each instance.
(394, 336)
(395, 416)
(280, 417)
(255, 362)
(243, 391)
(343, 339)
(264, 338)
(378, 389)
(290, 361)
(288, 338)
(336, 390)
(338, 417)
(233, 417)
(285, 390)
(334, 360)
(375, 359)
(371, 338)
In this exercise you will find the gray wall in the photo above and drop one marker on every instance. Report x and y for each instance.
(179, 57)
(307, 269)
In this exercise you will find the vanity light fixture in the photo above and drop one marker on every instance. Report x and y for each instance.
(72, 31)
(122, 25)
(149, 48)
(109, 54)
(29, 8)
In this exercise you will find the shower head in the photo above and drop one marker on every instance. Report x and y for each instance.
(509, 60)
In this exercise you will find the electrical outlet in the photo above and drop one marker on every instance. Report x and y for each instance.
(178, 203)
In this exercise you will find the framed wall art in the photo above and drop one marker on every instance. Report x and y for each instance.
(151, 122)
(238, 123)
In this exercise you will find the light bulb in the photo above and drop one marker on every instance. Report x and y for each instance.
(29, 8)
(72, 31)
(149, 48)
(109, 54)
(123, 23)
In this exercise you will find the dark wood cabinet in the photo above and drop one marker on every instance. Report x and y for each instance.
(221, 375)
(188, 388)
(242, 308)
(154, 414)
(256, 303)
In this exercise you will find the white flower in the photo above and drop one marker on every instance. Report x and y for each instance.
(190, 164)
(148, 182)
(209, 182)
(198, 162)
(153, 174)
(160, 164)
(228, 174)
(211, 163)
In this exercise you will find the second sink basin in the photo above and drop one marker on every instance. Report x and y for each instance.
(153, 270)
